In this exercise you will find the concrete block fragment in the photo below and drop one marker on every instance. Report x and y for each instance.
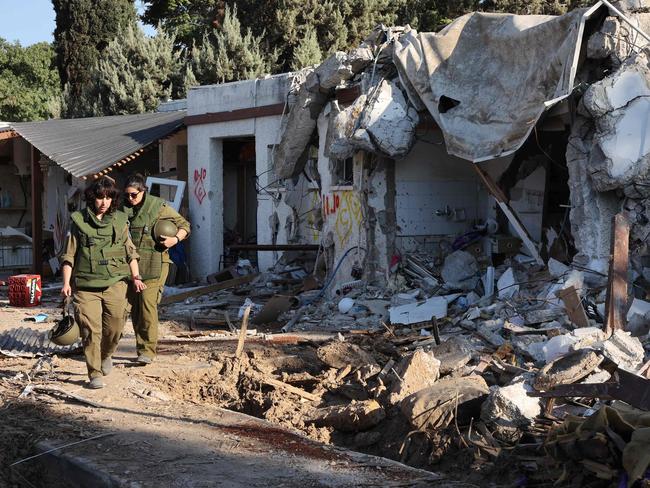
(506, 285)
(337, 354)
(509, 408)
(567, 369)
(388, 122)
(334, 70)
(414, 313)
(460, 271)
(415, 372)
(434, 407)
(353, 417)
(604, 43)
(624, 350)
(556, 268)
(453, 354)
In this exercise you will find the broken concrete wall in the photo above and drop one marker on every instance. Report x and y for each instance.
(608, 154)
(311, 99)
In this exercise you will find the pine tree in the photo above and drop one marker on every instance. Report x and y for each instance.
(307, 53)
(230, 55)
(84, 28)
(133, 74)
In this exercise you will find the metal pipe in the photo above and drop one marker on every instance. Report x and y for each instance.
(273, 247)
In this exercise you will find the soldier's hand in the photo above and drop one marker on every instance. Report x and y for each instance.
(168, 241)
(139, 285)
(66, 291)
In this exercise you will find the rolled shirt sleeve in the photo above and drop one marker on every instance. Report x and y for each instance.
(129, 247)
(168, 213)
(69, 248)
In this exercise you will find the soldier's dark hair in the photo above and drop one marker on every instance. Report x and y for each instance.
(136, 180)
(101, 188)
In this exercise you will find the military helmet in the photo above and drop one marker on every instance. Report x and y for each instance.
(164, 228)
(66, 331)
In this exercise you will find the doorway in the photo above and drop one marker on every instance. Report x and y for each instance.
(239, 191)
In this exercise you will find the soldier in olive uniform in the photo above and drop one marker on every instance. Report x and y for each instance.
(99, 257)
(144, 211)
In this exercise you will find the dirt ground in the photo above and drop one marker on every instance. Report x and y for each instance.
(170, 419)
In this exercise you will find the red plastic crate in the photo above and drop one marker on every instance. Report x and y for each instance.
(25, 290)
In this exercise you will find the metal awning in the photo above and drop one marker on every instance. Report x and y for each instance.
(87, 146)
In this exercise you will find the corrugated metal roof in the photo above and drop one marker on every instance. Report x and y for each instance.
(87, 146)
(25, 342)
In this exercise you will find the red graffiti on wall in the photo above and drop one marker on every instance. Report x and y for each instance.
(331, 204)
(199, 187)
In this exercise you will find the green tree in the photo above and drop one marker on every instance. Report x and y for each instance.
(230, 55)
(307, 53)
(84, 28)
(133, 75)
(29, 82)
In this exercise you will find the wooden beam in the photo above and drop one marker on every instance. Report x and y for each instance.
(573, 306)
(9, 134)
(616, 303)
(37, 213)
(224, 285)
(502, 201)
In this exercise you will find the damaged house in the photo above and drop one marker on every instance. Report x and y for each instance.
(498, 134)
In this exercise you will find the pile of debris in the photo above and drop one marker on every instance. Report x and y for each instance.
(454, 357)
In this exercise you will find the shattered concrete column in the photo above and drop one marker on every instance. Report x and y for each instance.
(378, 187)
(591, 211)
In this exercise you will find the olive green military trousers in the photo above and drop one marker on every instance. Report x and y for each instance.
(144, 313)
(101, 315)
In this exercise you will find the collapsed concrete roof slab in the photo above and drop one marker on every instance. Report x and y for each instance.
(487, 78)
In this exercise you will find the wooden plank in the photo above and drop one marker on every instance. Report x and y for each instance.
(291, 389)
(616, 303)
(242, 332)
(502, 201)
(224, 285)
(573, 306)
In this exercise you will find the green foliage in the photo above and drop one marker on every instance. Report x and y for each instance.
(29, 82)
(133, 74)
(84, 28)
(307, 53)
(230, 55)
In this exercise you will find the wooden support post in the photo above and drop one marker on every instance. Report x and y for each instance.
(616, 303)
(502, 201)
(242, 332)
(37, 213)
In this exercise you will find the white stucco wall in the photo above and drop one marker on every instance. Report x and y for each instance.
(428, 180)
(205, 165)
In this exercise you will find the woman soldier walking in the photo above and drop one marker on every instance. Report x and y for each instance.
(144, 211)
(99, 256)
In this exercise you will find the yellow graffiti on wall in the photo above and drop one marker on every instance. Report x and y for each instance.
(342, 210)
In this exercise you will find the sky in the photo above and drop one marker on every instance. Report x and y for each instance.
(32, 21)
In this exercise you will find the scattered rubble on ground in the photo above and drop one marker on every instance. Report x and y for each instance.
(465, 374)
